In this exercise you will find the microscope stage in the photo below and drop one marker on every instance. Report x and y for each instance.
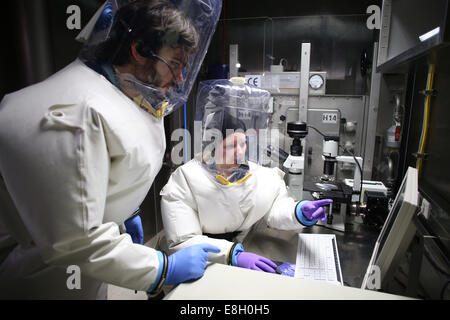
(337, 191)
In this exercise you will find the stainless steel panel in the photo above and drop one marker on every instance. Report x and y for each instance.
(411, 19)
(372, 118)
(279, 83)
(234, 60)
(384, 32)
(314, 141)
(351, 108)
(304, 77)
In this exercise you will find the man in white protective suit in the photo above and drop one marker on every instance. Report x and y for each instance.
(80, 151)
(220, 194)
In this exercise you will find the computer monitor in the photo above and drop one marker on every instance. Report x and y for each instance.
(395, 236)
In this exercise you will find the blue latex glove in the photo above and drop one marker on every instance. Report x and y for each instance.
(135, 229)
(310, 211)
(188, 263)
(255, 262)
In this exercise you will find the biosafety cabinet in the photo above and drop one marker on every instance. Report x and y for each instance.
(331, 95)
(343, 116)
(383, 92)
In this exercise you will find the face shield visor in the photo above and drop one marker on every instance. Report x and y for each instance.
(234, 128)
(151, 50)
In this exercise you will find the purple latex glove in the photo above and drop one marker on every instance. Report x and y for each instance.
(253, 261)
(313, 210)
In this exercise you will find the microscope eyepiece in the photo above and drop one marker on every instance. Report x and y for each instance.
(297, 129)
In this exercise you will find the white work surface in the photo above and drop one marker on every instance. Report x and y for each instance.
(223, 282)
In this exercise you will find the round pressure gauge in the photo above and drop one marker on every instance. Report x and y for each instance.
(316, 81)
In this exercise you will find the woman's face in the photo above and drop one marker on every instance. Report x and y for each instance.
(231, 152)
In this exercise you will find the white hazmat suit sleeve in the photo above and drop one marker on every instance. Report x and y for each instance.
(58, 181)
(282, 214)
(181, 221)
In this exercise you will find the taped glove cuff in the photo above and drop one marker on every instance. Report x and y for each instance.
(235, 250)
(135, 213)
(300, 217)
(156, 287)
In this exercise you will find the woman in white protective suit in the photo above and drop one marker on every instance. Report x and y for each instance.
(80, 151)
(219, 195)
